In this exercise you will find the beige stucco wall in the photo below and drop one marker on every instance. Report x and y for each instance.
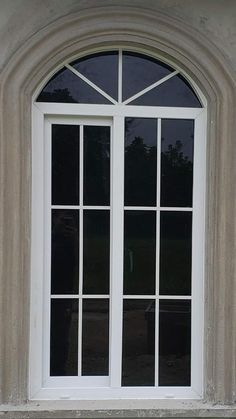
(215, 19)
(35, 35)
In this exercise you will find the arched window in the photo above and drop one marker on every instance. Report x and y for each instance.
(118, 231)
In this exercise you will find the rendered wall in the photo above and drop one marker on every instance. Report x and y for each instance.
(200, 35)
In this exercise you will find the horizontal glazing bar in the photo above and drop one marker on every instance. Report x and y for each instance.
(80, 296)
(86, 207)
(160, 297)
(158, 208)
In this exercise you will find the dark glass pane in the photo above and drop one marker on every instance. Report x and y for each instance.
(140, 161)
(175, 343)
(95, 339)
(65, 164)
(64, 337)
(177, 143)
(138, 362)
(101, 69)
(96, 252)
(65, 252)
(140, 71)
(174, 92)
(139, 252)
(175, 253)
(96, 165)
(66, 87)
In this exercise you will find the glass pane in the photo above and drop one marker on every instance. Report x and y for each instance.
(175, 343)
(140, 161)
(140, 71)
(174, 92)
(139, 252)
(177, 142)
(65, 165)
(96, 252)
(64, 337)
(65, 252)
(175, 253)
(66, 87)
(138, 361)
(102, 70)
(96, 165)
(95, 339)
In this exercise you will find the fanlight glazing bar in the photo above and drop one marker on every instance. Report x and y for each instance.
(152, 86)
(94, 86)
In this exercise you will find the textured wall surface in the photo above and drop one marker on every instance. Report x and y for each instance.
(215, 19)
(35, 35)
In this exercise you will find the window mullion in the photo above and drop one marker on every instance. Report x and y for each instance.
(117, 216)
(81, 180)
(158, 198)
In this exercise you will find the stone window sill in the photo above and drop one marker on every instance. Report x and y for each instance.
(117, 409)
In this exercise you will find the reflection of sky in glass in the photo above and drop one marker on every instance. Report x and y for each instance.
(101, 69)
(174, 92)
(140, 71)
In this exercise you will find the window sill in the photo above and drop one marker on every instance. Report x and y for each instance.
(117, 409)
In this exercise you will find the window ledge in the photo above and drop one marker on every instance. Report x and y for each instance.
(117, 409)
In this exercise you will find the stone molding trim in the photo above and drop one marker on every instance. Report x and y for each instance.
(170, 39)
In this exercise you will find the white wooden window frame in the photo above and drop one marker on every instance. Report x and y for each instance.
(41, 386)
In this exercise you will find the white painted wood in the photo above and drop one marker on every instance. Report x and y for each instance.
(157, 274)
(46, 226)
(81, 229)
(117, 216)
(198, 247)
(74, 109)
(82, 115)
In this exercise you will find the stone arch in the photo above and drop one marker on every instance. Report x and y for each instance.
(203, 64)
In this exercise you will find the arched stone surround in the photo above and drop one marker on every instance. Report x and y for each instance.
(203, 63)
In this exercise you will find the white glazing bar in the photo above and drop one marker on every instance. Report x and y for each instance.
(152, 86)
(158, 199)
(74, 207)
(185, 209)
(97, 296)
(117, 217)
(58, 296)
(120, 69)
(96, 207)
(81, 191)
(175, 297)
(160, 297)
(93, 85)
(72, 110)
(157, 208)
(138, 297)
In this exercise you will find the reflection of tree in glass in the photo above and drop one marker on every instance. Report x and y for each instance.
(58, 95)
(140, 173)
(176, 176)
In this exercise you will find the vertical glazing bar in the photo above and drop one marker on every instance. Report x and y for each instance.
(157, 251)
(81, 189)
(120, 77)
(117, 217)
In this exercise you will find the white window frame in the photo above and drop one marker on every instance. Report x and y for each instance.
(45, 114)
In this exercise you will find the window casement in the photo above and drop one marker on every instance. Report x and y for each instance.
(117, 231)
